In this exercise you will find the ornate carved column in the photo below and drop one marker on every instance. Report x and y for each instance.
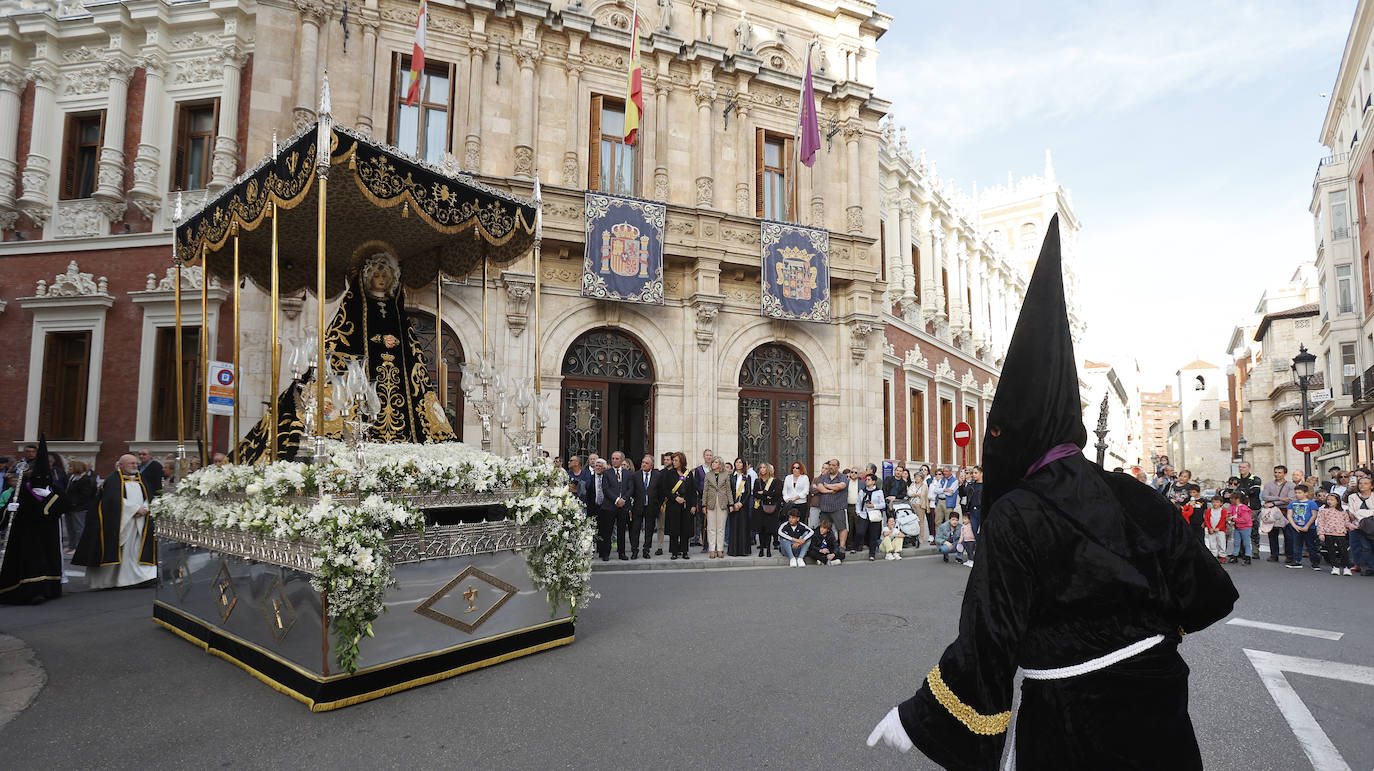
(226, 163)
(744, 152)
(572, 158)
(307, 72)
(663, 85)
(12, 82)
(907, 290)
(959, 292)
(472, 153)
(526, 55)
(109, 192)
(370, 21)
(147, 192)
(705, 95)
(854, 214)
(925, 224)
(35, 200)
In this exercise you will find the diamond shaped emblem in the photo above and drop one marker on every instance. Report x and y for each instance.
(226, 596)
(278, 610)
(477, 594)
(181, 578)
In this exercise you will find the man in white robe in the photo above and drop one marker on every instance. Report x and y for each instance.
(118, 547)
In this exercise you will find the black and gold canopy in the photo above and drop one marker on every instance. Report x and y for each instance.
(434, 220)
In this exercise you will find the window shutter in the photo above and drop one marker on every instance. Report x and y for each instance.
(52, 362)
(393, 100)
(183, 138)
(790, 179)
(70, 139)
(81, 357)
(594, 148)
(759, 138)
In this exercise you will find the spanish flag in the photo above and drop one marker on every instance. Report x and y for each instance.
(634, 97)
(417, 57)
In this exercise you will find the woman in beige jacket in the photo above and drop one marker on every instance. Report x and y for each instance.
(715, 498)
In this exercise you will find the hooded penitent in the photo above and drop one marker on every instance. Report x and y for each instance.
(1038, 408)
(1083, 579)
(31, 564)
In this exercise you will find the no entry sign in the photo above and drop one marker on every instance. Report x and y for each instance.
(1307, 440)
(962, 434)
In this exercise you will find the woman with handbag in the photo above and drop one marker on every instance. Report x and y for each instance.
(872, 512)
(917, 493)
(767, 500)
(715, 499)
(737, 531)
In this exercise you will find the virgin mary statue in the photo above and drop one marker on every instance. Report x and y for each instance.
(371, 326)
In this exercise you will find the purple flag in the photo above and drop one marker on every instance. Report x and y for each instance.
(810, 128)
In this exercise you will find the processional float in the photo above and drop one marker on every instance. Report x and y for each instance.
(286, 565)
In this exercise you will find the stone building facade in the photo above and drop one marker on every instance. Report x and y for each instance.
(184, 95)
(1158, 411)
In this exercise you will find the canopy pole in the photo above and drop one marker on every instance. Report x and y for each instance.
(485, 352)
(440, 362)
(235, 418)
(275, 351)
(180, 367)
(319, 323)
(206, 435)
(538, 347)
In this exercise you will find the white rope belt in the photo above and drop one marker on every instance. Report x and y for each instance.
(1101, 662)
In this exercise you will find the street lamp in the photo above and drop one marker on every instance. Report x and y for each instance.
(1240, 448)
(1303, 364)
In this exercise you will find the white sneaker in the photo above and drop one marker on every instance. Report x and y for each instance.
(1335, 571)
(1346, 572)
(791, 562)
(896, 555)
(801, 562)
(888, 557)
(967, 563)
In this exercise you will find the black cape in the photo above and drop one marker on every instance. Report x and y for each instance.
(1073, 563)
(31, 569)
(100, 540)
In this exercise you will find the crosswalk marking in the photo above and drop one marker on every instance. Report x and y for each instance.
(1302, 630)
(1320, 751)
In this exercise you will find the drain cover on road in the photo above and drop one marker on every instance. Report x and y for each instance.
(873, 621)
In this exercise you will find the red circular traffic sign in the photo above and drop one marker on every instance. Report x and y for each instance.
(963, 433)
(1307, 440)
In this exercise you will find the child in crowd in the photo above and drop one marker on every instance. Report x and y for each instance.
(825, 547)
(1271, 524)
(1194, 510)
(1302, 514)
(793, 537)
(967, 541)
(892, 540)
(1334, 523)
(1214, 523)
(1242, 518)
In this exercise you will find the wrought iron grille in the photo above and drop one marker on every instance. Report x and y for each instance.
(755, 429)
(606, 354)
(583, 412)
(774, 367)
(794, 431)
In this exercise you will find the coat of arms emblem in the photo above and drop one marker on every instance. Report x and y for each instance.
(796, 276)
(624, 251)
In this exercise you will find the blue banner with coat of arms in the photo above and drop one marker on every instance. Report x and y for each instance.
(796, 271)
(623, 260)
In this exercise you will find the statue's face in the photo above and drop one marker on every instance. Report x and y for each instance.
(379, 282)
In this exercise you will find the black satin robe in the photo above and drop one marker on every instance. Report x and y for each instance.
(1074, 563)
(31, 569)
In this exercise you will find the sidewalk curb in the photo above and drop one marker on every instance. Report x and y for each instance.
(699, 561)
(21, 677)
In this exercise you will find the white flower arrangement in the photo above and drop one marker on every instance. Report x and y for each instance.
(295, 501)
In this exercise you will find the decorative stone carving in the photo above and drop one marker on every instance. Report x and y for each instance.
(153, 63)
(742, 203)
(79, 54)
(889, 350)
(144, 194)
(34, 180)
(200, 69)
(472, 155)
(524, 161)
(8, 218)
(858, 345)
(915, 359)
(661, 184)
(854, 219)
(943, 370)
(989, 390)
(301, 117)
(191, 278)
(969, 382)
(519, 288)
(88, 80)
(226, 159)
(705, 191)
(706, 312)
(571, 169)
(195, 40)
(291, 305)
(73, 283)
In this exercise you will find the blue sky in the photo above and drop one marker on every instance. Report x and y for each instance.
(1186, 134)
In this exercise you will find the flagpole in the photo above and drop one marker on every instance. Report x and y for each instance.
(796, 139)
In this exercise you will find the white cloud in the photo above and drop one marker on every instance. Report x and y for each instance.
(1104, 59)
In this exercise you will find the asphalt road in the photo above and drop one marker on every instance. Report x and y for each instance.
(770, 667)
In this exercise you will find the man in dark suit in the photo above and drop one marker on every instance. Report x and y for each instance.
(617, 497)
(643, 507)
(151, 471)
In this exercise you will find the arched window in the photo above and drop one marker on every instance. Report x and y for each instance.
(1194, 425)
(607, 396)
(1030, 240)
(1207, 425)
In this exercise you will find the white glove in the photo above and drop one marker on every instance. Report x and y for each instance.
(42, 492)
(891, 732)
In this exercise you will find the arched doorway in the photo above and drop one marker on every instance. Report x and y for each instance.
(775, 408)
(423, 324)
(607, 396)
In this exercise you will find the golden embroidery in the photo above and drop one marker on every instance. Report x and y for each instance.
(983, 725)
(390, 423)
